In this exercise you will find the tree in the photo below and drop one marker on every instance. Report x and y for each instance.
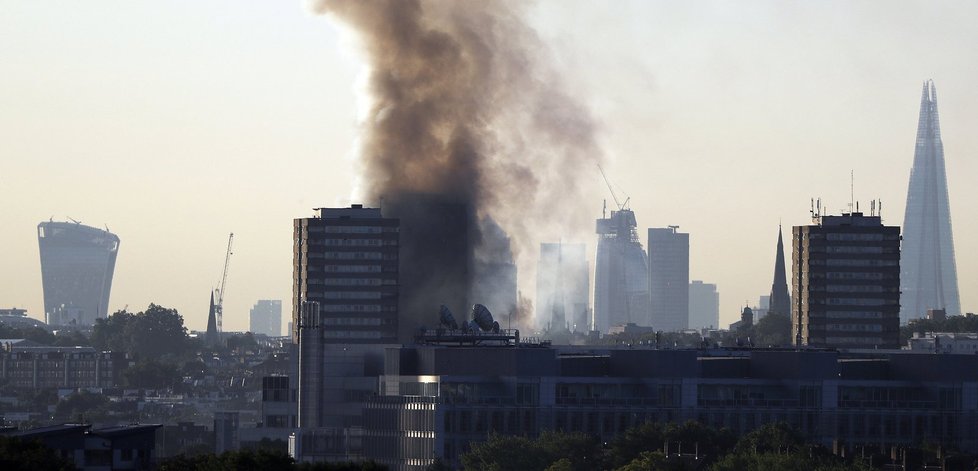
(152, 374)
(772, 329)
(21, 455)
(81, 406)
(157, 332)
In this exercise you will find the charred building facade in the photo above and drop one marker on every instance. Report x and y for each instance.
(846, 280)
(77, 264)
(345, 261)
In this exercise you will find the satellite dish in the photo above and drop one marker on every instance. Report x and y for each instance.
(482, 317)
(446, 318)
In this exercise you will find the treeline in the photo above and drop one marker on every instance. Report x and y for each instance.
(257, 460)
(772, 330)
(955, 324)
(689, 447)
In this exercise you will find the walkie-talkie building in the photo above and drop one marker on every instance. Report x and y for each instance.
(929, 277)
(77, 263)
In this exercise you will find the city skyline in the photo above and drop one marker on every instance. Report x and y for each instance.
(183, 137)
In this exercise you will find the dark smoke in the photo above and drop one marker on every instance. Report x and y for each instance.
(466, 111)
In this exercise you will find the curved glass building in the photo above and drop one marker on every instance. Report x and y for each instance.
(77, 263)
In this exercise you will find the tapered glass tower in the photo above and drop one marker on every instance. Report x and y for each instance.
(929, 278)
(77, 263)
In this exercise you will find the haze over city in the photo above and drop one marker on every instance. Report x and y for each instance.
(176, 123)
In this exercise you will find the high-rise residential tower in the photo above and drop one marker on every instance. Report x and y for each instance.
(780, 300)
(563, 287)
(266, 317)
(77, 263)
(846, 279)
(346, 261)
(669, 278)
(704, 305)
(621, 273)
(930, 279)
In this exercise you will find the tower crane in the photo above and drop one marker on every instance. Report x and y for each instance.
(219, 306)
(622, 205)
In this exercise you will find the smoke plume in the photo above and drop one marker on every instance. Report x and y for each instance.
(466, 109)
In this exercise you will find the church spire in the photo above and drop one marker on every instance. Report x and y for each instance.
(780, 299)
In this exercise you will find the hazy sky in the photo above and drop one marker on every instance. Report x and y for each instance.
(177, 122)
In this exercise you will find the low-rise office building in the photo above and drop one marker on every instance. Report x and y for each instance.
(436, 401)
(26, 364)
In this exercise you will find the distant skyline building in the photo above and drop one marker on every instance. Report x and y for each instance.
(780, 300)
(563, 287)
(668, 251)
(266, 317)
(77, 264)
(846, 280)
(345, 260)
(704, 305)
(930, 279)
(621, 273)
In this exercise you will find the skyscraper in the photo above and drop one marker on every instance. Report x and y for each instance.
(780, 301)
(669, 278)
(346, 260)
(621, 273)
(77, 263)
(846, 279)
(930, 279)
(562, 287)
(704, 305)
(266, 317)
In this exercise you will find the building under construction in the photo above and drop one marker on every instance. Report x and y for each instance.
(621, 273)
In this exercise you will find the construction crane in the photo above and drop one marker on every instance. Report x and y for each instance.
(219, 306)
(621, 205)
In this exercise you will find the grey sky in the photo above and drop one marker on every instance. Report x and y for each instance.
(177, 122)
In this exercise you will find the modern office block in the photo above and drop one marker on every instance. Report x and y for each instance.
(621, 273)
(930, 279)
(669, 278)
(436, 402)
(77, 263)
(563, 287)
(266, 317)
(345, 260)
(846, 280)
(704, 305)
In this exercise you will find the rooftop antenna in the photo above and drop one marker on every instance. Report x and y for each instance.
(852, 191)
(72, 220)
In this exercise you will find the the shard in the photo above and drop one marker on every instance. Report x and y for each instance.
(929, 278)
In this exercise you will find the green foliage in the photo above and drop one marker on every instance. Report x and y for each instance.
(157, 333)
(256, 460)
(776, 447)
(966, 323)
(34, 334)
(774, 329)
(551, 451)
(151, 374)
(81, 405)
(21, 455)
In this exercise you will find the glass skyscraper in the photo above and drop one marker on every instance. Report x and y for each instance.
(929, 278)
(77, 263)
